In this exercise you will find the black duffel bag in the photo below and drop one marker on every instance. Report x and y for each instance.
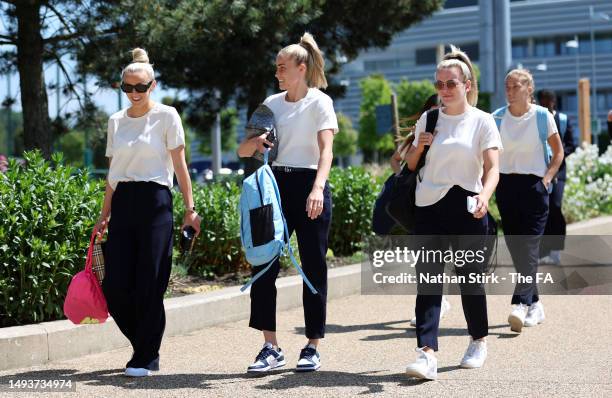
(395, 205)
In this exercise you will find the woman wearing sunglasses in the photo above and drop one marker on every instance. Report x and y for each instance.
(524, 186)
(145, 147)
(461, 163)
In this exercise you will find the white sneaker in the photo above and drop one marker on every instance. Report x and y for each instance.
(425, 366)
(555, 255)
(475, 354)
(444, 308)
(137, 372)
(535, 314)
(516, 319)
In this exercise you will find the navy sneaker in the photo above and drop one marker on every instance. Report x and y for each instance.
(310, 360)
(267, 359)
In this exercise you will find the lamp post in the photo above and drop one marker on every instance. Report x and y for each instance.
(543, 67)
(575, 44)
(593, 16)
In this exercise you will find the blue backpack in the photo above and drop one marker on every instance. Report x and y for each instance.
(542, 121)
(263, 229)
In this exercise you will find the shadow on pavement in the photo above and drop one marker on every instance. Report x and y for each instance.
(326, 379)
(115, 378)
(401, 332)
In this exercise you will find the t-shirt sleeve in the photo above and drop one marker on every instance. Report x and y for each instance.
(419, 128)
(490, 138)
(552, 126)
(175, 135)
(326, 116)
(110, 131)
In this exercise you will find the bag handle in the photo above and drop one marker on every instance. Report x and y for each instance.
(89, 260)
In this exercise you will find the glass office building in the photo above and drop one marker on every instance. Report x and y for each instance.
(540, 30)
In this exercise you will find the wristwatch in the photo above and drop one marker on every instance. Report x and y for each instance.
(190, 209)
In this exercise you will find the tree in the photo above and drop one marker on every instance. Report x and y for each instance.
(375, 90)
(200, 45)
(411, 96)
(39, 31)
(229, 46)
(229, 133)
(345, 142)
(15, 127)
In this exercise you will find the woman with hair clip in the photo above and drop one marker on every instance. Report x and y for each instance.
(525, 183)
(460, 164)
(146, 147)
(305, 124)
(397, 159)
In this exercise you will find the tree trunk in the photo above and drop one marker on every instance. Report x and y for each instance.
(36, 123)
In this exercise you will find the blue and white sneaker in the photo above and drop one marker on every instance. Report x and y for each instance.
(267, 359)
(310, 360)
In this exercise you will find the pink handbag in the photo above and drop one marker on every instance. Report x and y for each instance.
(85, 302)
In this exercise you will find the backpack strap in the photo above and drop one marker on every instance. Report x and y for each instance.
(498, 116)
(542, 120)
(562, 123)
(257, 275)
(430, 127)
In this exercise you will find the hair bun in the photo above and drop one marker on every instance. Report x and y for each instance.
(140, 55)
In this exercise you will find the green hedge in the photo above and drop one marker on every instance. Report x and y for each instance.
(47, 211)
(218, 249)
(353, 194)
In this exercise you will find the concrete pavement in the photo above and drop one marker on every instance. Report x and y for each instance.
(367, 346)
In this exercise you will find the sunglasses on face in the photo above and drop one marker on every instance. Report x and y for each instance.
(450, 84)
(140, 88)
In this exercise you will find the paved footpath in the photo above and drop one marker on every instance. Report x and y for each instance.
(368, 344)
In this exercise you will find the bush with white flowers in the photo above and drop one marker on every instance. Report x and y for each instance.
(588, 189)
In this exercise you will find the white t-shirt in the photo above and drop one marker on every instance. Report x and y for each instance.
(297, 126)
(140, 146)
(455, 156)
(523, 151)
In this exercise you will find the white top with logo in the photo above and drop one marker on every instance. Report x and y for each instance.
(523, 152)
(297, 126)
(456, 154)
(140, 146)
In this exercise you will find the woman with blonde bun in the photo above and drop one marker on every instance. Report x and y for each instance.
(146, 148)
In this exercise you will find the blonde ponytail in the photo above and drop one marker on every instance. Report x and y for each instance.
(308, 53)
(459, 59)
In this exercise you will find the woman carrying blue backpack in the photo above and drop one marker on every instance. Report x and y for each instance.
(305, 126)
(527, 168)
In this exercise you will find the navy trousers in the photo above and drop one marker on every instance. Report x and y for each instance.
(312, 237)
(556, 226)
(138, 260)
(523, 201)
(449, 217)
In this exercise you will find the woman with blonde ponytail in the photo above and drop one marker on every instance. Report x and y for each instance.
(305, 124)
(461, 166)
(146, 148)
(527, 169)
